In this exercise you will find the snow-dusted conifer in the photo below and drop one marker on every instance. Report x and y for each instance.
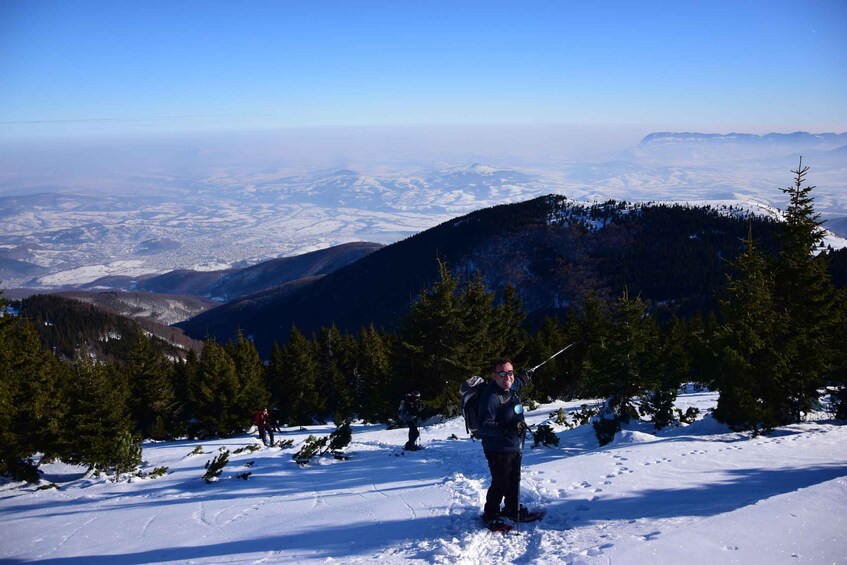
(805, 292)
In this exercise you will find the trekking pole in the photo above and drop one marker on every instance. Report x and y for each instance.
(562, 350)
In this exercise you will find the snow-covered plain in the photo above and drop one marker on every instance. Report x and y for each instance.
(695, 494)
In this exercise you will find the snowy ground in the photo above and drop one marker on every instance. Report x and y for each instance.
(697, 494)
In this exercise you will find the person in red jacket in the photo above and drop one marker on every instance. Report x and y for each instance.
(263, 422)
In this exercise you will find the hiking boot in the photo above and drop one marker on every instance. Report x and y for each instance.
(522, 515)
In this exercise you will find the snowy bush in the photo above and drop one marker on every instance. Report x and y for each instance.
(215, 466)
(127, 454)
(311, 446)
(334, 443)
(543, 435)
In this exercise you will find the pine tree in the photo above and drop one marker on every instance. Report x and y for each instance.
(252, 392)
(806, 294)
(548, 382)
(673, 365)
(447, 336)
(276, 381)
(624, 363)
(374, 371)
(98, 417)
(183, 374)
(298, 374)
(753, 367)
(32, 398)
(152, 399)
(333, 389)
(594, 328)
(214, 392)
(508, 325)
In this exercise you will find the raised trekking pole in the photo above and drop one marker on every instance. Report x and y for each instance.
(562, 350)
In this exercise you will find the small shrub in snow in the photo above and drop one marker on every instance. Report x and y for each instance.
(606, 425)
(197, 450)
(584, 415)
(251, 448)
(244, 475)
(689, 416)
(49, 486)
(311, 446)
(215, 466)
(127, 454)
(334, 443)
(543, 435)
(560, 418)
(340, 438)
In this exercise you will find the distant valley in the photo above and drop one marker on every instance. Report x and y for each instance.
(71, 237)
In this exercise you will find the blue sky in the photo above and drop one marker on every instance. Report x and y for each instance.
(81, 67)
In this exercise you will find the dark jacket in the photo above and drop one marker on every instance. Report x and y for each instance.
(497, 416)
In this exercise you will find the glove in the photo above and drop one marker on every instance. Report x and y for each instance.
(526, 375)
(518, 426)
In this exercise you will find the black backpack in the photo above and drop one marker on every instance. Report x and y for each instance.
(469, 391)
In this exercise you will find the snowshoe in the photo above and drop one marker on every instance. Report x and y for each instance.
(523, 515)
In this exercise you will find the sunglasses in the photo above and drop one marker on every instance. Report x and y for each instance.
(505, 373)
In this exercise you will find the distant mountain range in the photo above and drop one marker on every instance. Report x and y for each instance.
(812, 140)
(819, 148)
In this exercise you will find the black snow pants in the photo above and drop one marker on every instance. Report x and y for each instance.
(505, 482)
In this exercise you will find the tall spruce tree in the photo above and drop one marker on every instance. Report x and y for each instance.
(298, 373)
(508, 325)
(215, 392)
(152, 398)
(548, 383)
(98, 416)
(805, 293)
(673, 366)
(252, 391)
(32, 398)
(624, 362)
(594, 328)
(753, 367)
(333, 386)
(374, 370)
(183, 373)
(447, 336)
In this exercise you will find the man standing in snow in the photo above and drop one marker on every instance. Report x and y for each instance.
(503, 428)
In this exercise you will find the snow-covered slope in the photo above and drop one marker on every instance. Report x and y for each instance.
(697, 494)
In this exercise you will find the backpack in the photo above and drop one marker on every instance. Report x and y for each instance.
(469, 390)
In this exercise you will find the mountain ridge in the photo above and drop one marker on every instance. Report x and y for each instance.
(550, 248)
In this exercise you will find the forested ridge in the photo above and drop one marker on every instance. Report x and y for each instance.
(747, 306)
(551, 249)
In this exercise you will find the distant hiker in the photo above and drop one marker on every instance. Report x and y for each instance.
(503, 428)
(263, 422)
(409, 412)
(276, 420)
